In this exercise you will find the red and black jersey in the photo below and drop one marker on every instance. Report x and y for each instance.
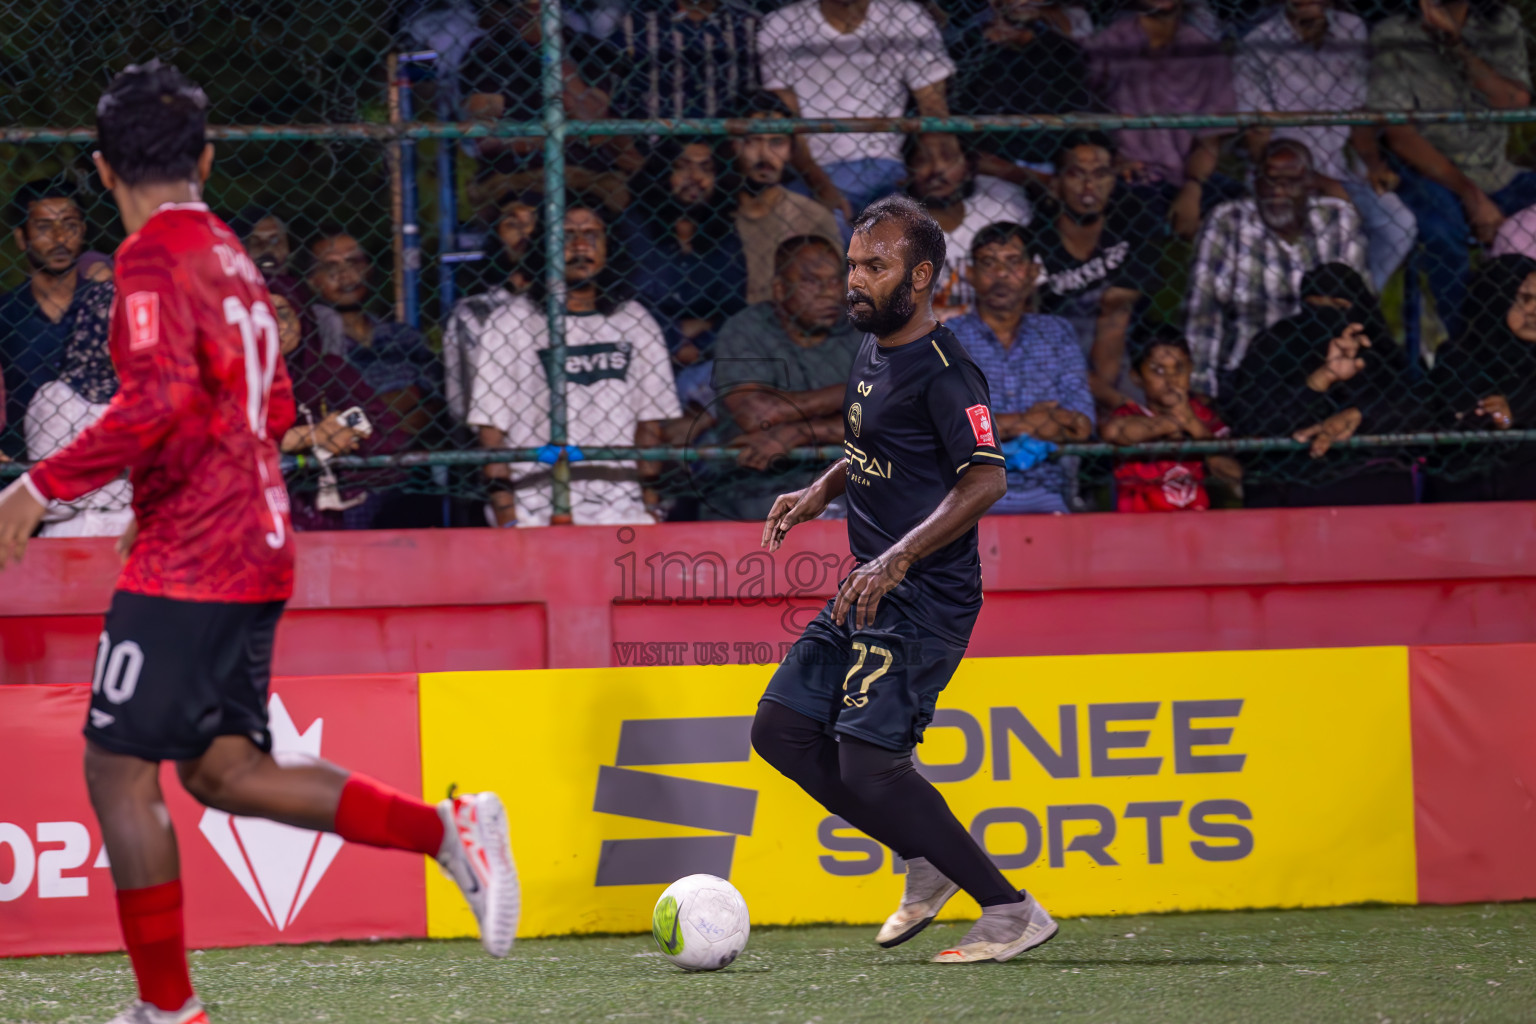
(203, 401)
(1165, 485)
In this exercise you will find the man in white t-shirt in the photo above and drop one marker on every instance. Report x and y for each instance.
(618, 389)
(943, 177)
(853, 58)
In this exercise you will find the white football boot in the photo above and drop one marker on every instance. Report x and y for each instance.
(148, 1013)
(1003, 933)
(926, 893)
(477, 855)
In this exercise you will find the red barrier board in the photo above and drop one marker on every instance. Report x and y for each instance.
(1474, 771)
(246, 881)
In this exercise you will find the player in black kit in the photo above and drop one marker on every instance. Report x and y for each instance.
(921, 466)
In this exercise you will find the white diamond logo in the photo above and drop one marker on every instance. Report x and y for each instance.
(278, 866)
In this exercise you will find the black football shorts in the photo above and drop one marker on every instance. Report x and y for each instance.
(172, 676)
(878, 684)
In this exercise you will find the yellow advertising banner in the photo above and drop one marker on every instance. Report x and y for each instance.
(1104, 784)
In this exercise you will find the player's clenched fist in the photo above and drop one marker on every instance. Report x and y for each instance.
(866, 585)
(20, 513)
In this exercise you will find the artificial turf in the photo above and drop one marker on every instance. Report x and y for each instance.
(1376, 964)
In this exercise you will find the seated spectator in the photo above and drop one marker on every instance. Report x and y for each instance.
(1310, 56)
(1160, 60)
(1033, 365)
(1021, 57)
(1322, 375)
(1099, 259)
(781, 370)
(618, 388)
(688, 58)
(1457, 178)
(853, 58)
(507, 271)
(64, 406)
(942, 177)
(767, 213)
(1251, 257)
(689, 270)
(1172, 412)
(501, 76)
(37, 317)
(1486, 380)
(266, 240)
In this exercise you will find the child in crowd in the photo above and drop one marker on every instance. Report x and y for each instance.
(1161, 367)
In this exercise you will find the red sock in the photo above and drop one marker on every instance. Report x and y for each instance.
(152, 928)
(373, 813)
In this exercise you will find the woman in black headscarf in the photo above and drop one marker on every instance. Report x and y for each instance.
(1486, 380)
(1322, 376)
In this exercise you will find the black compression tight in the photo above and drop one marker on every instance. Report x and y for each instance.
(880, 793)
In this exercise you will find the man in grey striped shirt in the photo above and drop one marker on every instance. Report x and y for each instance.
(698, 59)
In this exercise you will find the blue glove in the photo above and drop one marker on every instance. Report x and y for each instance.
(1024, 452)
(550, 454)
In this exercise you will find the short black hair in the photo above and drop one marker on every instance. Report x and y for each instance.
(1083, 137)
(1000, 233)
(151, 124)
(924, 237)
(36, 191)
(1161, 336)
(791, 247)
(763, 103)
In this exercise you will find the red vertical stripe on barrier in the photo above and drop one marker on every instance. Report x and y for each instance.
(1474, 770)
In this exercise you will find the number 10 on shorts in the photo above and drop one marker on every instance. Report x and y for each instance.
(858, 700)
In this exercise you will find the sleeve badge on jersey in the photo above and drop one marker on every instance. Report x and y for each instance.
(143, 320)
(981, 425)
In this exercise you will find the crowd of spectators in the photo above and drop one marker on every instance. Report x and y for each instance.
(1149, 284)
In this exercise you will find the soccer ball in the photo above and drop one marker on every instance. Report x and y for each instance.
(701, 923)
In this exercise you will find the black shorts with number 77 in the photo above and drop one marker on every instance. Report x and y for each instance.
(878, 684)
(172, 676)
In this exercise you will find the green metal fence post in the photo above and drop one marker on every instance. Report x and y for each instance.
(554, 252)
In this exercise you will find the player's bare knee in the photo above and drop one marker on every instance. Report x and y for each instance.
(217, 782)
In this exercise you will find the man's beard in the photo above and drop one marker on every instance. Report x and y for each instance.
(757, 188)
(966, 189)
(1280, 214)
(39, 264)
(1082, 218)
(883, 321)
(348, 307)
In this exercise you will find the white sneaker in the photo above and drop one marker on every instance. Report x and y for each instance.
(148, 1013)
(477, 855)
(926, 893)
(1003, 933)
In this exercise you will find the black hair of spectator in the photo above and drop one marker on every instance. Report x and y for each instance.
(1083, 137)
(654, 192)
(1295, 147)
(795, 244)
(1000, 233)
(613, 285)
(924, 238)
(36, 191)
(151, 125)
(1161, 336)
(307, 259)
(764, 103)
(244, 222)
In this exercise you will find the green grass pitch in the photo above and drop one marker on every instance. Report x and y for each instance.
(1375, 964)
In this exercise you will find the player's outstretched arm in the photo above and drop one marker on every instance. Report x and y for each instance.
(796, 507)
(974, 493)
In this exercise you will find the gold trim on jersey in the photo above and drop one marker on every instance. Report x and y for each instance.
(935, 343)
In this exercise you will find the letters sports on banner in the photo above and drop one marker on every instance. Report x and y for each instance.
(248, 881)
(1106, 784)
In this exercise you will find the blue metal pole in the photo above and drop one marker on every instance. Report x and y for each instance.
(410, 205)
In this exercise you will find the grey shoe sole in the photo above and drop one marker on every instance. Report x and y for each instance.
(909, 933)
(1029, 944)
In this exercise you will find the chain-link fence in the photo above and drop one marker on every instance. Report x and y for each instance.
(536, 262)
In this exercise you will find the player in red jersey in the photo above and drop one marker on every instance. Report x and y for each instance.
(184, 661)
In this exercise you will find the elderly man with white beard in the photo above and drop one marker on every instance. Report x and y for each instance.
(1252, 253)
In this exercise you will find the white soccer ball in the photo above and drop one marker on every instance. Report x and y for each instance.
(701, 923)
